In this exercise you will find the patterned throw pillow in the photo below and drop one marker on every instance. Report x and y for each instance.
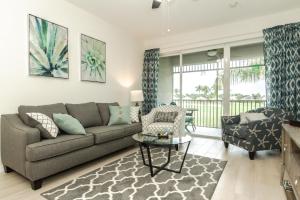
(165, 116)
(68, 124)
(45, 124)
(255, 116)
(134, 113)
(119, 115)
(244, 119)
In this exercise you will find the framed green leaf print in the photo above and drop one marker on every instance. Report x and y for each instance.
(48, 49)
(93, 59)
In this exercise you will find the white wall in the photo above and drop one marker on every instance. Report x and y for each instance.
(124, 57)
(250, 29)
(165, 80)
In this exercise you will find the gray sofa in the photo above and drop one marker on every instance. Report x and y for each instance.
(24, 150)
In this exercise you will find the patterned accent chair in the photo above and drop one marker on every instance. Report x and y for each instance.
(151, 127)
(256, 135)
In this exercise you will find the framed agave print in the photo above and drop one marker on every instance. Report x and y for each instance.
(48, 49)
(93, 59)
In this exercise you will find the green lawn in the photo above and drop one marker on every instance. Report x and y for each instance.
(209, 112)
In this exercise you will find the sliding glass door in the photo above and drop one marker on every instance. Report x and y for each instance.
(202, 86)
(247, 78)
(214, 82)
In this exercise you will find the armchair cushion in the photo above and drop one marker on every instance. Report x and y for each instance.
(165, 117)
(160, 127)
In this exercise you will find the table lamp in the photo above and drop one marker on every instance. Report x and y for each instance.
(136, 96)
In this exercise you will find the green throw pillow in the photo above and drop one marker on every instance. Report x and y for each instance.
(119, 115)
(68, 124)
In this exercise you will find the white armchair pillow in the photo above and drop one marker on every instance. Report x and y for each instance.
(249, 117)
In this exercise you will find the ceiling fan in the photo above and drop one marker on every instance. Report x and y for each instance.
(232, 3)
(214, 54)
(156, 4)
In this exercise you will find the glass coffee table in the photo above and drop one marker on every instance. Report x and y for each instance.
(146, 141)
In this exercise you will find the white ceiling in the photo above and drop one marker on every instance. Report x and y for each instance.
(137, 17)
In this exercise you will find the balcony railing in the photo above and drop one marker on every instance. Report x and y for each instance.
(208, 112)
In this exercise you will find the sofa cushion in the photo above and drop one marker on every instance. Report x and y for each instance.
(86, 113)
(68, 124)
(46, 125)
(45, 109)
(54, 147)
(119, 115)
(108, 133)
(104, 111)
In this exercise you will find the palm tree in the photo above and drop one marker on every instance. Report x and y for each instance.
(247, 74)
(257, 96)
(177, 94)
(206, 92)
(239, 96)
(193, 96)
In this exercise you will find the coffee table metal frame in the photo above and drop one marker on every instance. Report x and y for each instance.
(152, 167)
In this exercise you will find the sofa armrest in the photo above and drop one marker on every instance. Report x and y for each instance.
(148, 119)
(15, 136)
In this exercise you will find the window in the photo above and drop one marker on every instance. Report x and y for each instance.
(247, 78)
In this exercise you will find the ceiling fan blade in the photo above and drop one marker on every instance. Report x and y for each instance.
(156, 4)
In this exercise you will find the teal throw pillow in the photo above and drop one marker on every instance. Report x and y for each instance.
(119, 115)
(68, 124)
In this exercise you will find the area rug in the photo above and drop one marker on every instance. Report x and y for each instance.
(128, 178)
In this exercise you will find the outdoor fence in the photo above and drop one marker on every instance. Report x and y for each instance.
(208, 112)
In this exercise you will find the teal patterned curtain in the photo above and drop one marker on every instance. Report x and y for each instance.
(150, 79)
(282, 60)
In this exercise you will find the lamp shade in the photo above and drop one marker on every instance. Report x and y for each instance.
(136, 96)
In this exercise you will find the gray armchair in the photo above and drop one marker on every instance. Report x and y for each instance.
(256, 135)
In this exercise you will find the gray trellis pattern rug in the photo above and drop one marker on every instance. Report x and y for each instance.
(128, 178)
